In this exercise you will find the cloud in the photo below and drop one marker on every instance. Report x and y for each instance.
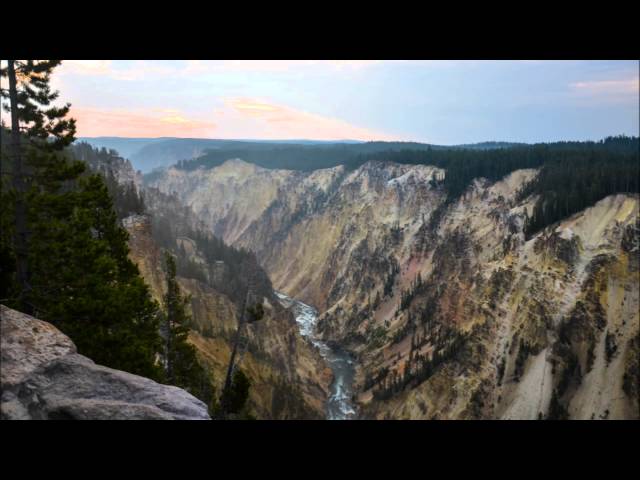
(621, 86)
(205, 67)
(148, 69)
(591, 93)
(136, 70)
(238, 118)
(256, 118)
(93, 122)
(86, 67)
(142, 69)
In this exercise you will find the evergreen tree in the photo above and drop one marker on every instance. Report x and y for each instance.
(79, 276)
(235, 397)
(85, 283)
(34, 124)
(181, 364)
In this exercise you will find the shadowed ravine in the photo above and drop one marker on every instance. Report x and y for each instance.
(339, 405)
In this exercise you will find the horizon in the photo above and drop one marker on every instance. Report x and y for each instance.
(320, 140)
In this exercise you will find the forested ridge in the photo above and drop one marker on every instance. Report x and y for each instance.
(295, 156)
(573, 175)
(127, 199)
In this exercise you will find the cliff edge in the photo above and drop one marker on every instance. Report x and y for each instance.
(44, 378)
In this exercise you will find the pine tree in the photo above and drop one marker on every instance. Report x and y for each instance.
(182, 368)
(79, 276)
(32, 126)
(237, 395)
(85, 283)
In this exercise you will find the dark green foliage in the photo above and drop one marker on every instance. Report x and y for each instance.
(227, 269)
(448, 344)
(394, 269)
(402, 332)
(294, 156)
(407, 296)
(126, 198)
(557, 411)
(36, 126)
(300, 156)
(237, 395)
(372, 380)
(79, 275)
(376, 337)
(182, 366)
(500, 372)
(476, 402)
(43, 125)
(82, 279)
(631, 376)
(572, 180)
(574, 175)
(255, 313)
(464, 165)
(524, 351)
(569, 373)
(610, 346)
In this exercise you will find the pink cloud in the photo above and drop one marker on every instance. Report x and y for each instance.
(609, 88)
(239, 118)
(246, 117)
(93, 122)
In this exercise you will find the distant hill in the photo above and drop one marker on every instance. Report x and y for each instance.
(147, 154)
(126, 147)
(490, 145)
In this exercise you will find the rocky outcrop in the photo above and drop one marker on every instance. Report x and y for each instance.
(44, 378)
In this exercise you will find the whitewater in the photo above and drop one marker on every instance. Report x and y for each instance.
(339, 404)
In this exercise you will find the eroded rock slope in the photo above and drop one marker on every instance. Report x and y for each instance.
(450, 310)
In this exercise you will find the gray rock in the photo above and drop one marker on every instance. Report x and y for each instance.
(44, 378)
(28, 343)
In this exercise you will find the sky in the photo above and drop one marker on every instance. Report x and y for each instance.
(440, 102)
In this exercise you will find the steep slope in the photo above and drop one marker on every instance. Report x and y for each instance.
(451, 311)
(504, 328)
(309, 230)
(289, 379)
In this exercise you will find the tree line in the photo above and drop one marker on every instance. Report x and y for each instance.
(127, 198)
(573, 175)
(171, 221)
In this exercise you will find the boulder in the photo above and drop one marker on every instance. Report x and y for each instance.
(43, 377)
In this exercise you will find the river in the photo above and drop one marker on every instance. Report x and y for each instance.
(339, 405)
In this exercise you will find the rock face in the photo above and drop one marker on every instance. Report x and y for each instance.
(501, 326)
(43, 377)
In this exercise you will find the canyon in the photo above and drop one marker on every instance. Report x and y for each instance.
(448, 309)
